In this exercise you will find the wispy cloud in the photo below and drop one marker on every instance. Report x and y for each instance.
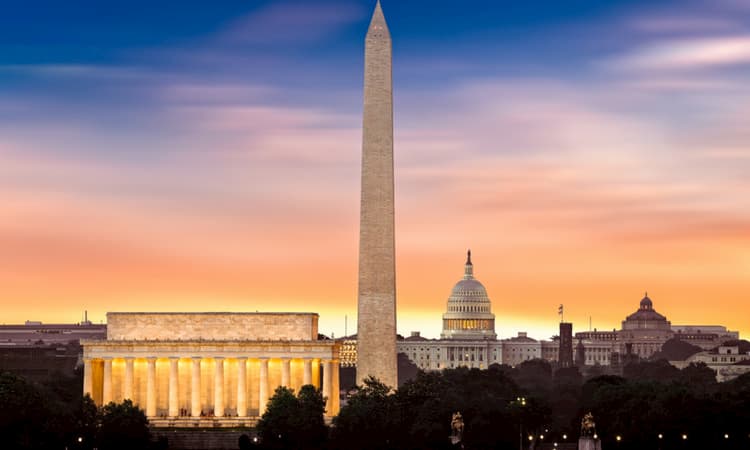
(686, 54)
(684, 24)
(299, 22)
(80, 71)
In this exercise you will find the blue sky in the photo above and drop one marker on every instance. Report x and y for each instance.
(142, 142)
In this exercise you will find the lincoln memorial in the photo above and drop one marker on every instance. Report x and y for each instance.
(208, 369)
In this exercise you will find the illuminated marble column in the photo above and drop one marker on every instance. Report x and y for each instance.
(195, 388)
(219, 387)
(327, 385)
(127, 385)
(242, 387)
(88, 379)
(335, 387)
(174, 406)
(107, 381)
(151, 388)
(263, 388)
(307, 376)
(286, 372)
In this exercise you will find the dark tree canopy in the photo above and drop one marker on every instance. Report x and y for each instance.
(294, 421)
(123, 426)
(367, 420)
(54, 415)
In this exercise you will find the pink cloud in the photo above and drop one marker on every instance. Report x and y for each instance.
(686, 54)
(683, 24)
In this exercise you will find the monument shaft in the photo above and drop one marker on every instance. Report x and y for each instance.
(376, 319)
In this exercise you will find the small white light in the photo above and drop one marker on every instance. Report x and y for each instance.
(565, 436)
(661, 436)
(531, 438)
(726, 436)
(541, 436)
(684, 437)
(80, 439)
(619, 438)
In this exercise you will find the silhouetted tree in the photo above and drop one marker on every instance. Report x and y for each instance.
(368, 419)
(534, 376)
(699, 377)
(294, 421)
(659, 370)
(23, 414)
(123, 426)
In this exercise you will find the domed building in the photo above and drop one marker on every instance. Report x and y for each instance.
(468, 338)
(468, 315)
(646, 318)
(645, 331)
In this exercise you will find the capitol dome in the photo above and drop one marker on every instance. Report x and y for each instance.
(468, 314)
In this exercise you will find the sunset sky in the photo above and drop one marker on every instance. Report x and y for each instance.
(204, 156)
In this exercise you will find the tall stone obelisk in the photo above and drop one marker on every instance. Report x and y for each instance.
(376, 317)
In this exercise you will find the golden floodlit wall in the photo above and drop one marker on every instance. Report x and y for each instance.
(212, 326)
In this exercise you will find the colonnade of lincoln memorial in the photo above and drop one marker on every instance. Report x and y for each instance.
(220, 368)
(205, 386)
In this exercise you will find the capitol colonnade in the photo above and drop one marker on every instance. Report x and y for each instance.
(224, 383)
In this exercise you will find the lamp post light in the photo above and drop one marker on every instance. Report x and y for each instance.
(520, 402)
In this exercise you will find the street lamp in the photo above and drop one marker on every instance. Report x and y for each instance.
(520, 401)
(684, 437)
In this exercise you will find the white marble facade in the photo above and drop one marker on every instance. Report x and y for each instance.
(208, 369)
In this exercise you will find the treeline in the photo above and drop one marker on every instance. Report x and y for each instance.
(53, 415)
(653, 406)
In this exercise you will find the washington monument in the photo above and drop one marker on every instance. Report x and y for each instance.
(376, 316)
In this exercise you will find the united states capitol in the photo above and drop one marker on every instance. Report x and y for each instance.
(469, 339)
